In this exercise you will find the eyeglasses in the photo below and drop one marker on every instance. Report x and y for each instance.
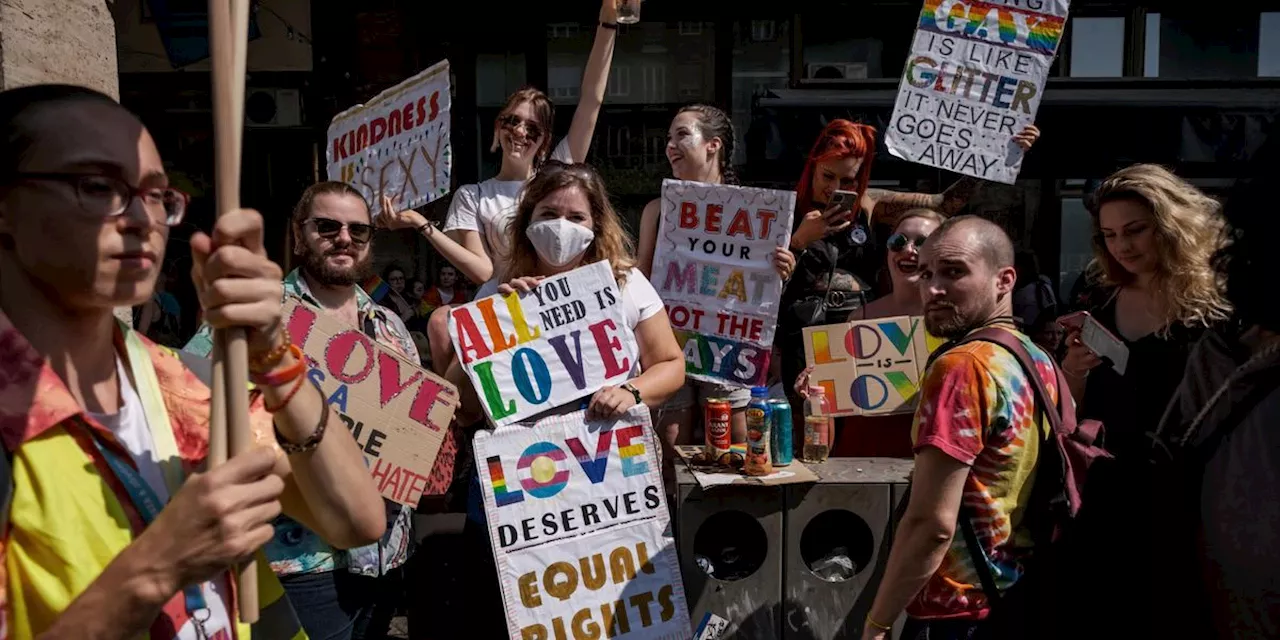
(329, 229)
(898, 242)
(108, 197)
(532, 130)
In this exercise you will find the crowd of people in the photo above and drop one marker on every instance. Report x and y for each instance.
(114, 527)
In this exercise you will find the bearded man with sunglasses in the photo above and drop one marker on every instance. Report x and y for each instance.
(352, 593)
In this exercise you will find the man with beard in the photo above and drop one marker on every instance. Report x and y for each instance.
(976, 443)
(352, 593)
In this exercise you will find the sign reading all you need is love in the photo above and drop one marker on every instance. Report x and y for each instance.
(527, 353)
(397, 412)
(578, 520)
(713, 268)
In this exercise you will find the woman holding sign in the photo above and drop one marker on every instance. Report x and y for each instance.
(565, 221)
(699, 147)
(886, 435)
(475, 238)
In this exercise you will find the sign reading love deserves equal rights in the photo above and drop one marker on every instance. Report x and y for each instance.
(973, 80)
(398, 143)
(527, 353)
(713, 267)
(870, 367)
(397, 412)
(580, 530)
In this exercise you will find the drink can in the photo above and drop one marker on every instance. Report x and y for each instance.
(782, 447)
(717, 427)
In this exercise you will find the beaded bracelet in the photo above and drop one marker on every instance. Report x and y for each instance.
(280, 377)
(265, 361)
(316, 436)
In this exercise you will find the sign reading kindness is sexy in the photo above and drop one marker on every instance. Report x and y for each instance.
(713, 267)
(578, 520)
(527, 353)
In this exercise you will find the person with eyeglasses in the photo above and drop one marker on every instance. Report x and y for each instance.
(886, 435)
(350, 593)
(111, 524)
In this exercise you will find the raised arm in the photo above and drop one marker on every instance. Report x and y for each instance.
(649, 221)
(595, 80)
(460, 245)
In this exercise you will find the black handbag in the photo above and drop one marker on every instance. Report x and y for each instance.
(826, 307)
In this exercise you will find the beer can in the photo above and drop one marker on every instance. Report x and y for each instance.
(716, 425)
(782, 449)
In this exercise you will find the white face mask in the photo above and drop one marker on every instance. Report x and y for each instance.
(559, 241)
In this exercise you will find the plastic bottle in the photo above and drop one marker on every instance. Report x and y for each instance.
(817, 426)
(759, 461)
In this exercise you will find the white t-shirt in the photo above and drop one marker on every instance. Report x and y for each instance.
(131, 429)
(488, 208)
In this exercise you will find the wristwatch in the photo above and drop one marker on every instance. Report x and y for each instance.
(627, 386)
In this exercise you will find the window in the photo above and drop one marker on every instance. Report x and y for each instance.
(842, 50)
(1097, 47)
(562, 30)
(655, 83)
(564, 78)
(1206, 44)
(759, 64)
(498, 76)
(620, 82)
(1269, 45)
(1076, 248)
(690, 28)
(619, 137)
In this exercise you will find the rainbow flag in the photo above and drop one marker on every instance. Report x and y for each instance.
(377, 288)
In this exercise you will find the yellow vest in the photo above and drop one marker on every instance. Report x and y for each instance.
(67, 521)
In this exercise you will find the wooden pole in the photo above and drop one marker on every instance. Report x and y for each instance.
(229, 431)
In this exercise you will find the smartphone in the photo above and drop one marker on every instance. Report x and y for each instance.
(1098, 339)
(843, 200)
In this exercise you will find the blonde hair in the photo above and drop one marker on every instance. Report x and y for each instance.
(611, 243)
(923, 213)
(1188, 227)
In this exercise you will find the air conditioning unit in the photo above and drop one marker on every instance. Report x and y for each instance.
(819, 72)
(266, 108)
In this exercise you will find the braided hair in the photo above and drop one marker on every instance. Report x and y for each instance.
(715, 123)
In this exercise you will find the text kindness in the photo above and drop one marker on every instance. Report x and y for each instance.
(527, 353)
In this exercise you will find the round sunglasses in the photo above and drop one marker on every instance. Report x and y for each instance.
(898, 242)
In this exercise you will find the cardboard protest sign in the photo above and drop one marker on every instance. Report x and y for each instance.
(974, 79)
(581, 534)
(713, 268)
(870, 367)
(397, 412)
(529, 353)
(398, 143)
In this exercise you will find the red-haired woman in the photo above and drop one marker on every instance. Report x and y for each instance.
(837, 256)
(474, 237)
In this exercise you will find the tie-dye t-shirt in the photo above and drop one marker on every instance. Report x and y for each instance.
(977, 406)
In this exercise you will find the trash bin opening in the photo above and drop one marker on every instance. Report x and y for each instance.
(837, 545)
(730, 546)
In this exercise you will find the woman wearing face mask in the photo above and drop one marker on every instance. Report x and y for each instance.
(565, 221)
(888, 435)
(699, 148)
(475, 234)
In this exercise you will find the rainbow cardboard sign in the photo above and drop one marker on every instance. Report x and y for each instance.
(529, 353)
(580, 530)
(870, 367)
(397, 411)
(713, 267)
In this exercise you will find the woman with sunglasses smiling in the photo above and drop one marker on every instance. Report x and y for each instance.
(887, 435)
(475, 238)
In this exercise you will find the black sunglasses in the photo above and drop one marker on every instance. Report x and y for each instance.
(532, 132)
(898, 242)
(329, 229)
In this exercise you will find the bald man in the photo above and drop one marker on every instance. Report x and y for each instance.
(975, 440)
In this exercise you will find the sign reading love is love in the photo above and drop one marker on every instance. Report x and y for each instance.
(870, 367)
(397, 412)
(580, 530)
(713, 267)
(527, 353)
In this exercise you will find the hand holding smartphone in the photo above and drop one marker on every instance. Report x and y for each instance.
(842, 201)
(1098, 339)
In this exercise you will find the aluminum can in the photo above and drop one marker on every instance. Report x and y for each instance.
(716, 424)
(781, 446)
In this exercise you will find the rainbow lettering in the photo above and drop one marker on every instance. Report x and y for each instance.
(631, 450)
(745, 363)
(501, 495)
(993, 24)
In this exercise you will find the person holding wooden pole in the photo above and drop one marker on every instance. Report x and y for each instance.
(114, 524)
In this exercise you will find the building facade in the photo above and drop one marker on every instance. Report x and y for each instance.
(1157, 82)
